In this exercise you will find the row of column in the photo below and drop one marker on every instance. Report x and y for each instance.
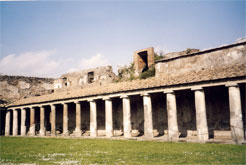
(236, 121)
(173, 132)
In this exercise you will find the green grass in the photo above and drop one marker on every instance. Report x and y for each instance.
(99, 151)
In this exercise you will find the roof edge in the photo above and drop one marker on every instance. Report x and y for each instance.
(202, 52)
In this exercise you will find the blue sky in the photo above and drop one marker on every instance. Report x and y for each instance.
(50, 38)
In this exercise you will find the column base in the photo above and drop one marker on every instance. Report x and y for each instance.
(77, 132)
(23, 130)
(149, 135)
(42, 132)
(65, 133)
(173, 135)
(15, 133)
(127, 134)
(109, 134)
(202, 135)
(32, 130)
(93, 133)
(237, 135)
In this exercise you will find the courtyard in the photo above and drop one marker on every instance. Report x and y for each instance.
(104, 151)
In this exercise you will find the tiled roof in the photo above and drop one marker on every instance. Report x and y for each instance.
(167, 80)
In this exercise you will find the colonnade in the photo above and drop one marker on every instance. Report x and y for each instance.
(236, 120)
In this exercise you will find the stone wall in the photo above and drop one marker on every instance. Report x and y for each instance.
(85, 78)
(219, 57)
(16, 87)
(143, 59)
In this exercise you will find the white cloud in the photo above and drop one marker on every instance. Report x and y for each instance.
(94, 61)
(30, 64)
(46, 64)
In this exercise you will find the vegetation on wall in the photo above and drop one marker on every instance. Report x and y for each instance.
(188, 51)
(147, 74)
(128, 73)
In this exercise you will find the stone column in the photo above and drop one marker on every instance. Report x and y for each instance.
(236, 121)
(148, 122)
(65, 120)
(109, 117)
(201, 117)
(7, 123)
(173, 132)
(53, 120)
(93, 118)
(23, 122)
(78, 131)
(32, 121)
(15, 122)
(126, 116)
(42, 131)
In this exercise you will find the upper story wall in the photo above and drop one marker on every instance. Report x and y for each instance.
(84, 78)
(218, 57)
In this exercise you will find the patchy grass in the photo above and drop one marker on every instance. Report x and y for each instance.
(99, 151)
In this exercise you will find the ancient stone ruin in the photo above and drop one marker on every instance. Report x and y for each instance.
(85, 78)
(143, 59)
(194, 96)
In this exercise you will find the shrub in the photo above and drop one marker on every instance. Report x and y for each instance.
(148, 73)
(188, 51)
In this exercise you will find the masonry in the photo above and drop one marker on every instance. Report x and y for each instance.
(188, 98)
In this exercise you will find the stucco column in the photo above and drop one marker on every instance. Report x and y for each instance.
(173, 132)
(65, 120)
(236, 120)
(201, 117)
(7, 123)
(15, 122)
(32, 121)
(93, 118)
(23, 122)
(42, 131)
(109, 117)
(78, 131)
(126, 116)
(148, 122)
(53, 120)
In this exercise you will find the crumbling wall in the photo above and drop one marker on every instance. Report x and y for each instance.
(16, 87)
(219, 57)
(143, 59)
(85, 78)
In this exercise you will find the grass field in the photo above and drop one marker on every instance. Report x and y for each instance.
(99, 151)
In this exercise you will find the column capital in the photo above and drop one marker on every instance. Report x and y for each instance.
(145, 94)
(91, 100)
(42, 106)
(197, 88)
(168, 91)
(231, 84)
(124, 96)
(107, 98)
(76, 102)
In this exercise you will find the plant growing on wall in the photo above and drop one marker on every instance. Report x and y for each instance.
(148, 73)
